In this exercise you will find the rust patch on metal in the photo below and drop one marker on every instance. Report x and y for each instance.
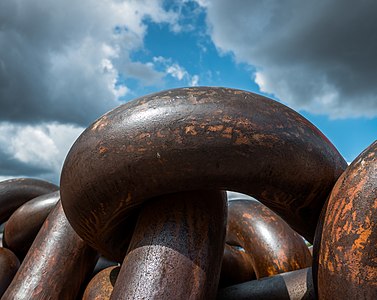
(215, 128)
(144, 135)
(100, 124)
(191, 130)
(227, 132)
(103, 149)
(101, 286)
(347, 252)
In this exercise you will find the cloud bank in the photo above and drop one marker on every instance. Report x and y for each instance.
(318, 56)
(35, 150)
(65, 63)
(60, 60)
(60, 63)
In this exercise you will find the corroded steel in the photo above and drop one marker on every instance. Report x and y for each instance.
(295, 285)
(347, 252)
(56, 264)
(272, 245)
(9, 265)
(176, 248)
(236, 267)
(101, 286)
(192, 139)
(15, 192)
(23, 225)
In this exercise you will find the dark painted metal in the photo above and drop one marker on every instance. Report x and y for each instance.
(9, 265)
(176, 249)
(192, 139)
(236, 267)
(101, 286)
(272, 245)
(347, 252)
(15, 192)
(56, 264)
(295, 285)
(23, 225)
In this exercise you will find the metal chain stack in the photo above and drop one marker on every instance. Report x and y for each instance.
(141, 211)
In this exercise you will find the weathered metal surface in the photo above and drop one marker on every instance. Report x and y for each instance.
(236, 267)
(15, 192)
(176, 249)
(192, 139)
(295, 285)
(56, 264)
(9, 265)
(347, 251)
(23, 225)
(101, 286)
(272, 245)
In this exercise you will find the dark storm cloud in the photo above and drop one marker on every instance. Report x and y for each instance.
(57, 57)
(45, 73)
(59, 64)
(314, 55)
(36, 151)
(10, 166)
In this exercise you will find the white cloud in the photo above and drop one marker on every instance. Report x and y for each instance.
(180, 73)
(176, 71)
(33, 145)
(143, 71)
(58, 57)
(41, 147)
(194, 80)
(203, 3)
(317, 56)
(59, 65)
(2, 178)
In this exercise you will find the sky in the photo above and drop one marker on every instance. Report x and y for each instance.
(65, 63)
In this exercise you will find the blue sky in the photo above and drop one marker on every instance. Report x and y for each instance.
(195, 51)
(63, 64)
